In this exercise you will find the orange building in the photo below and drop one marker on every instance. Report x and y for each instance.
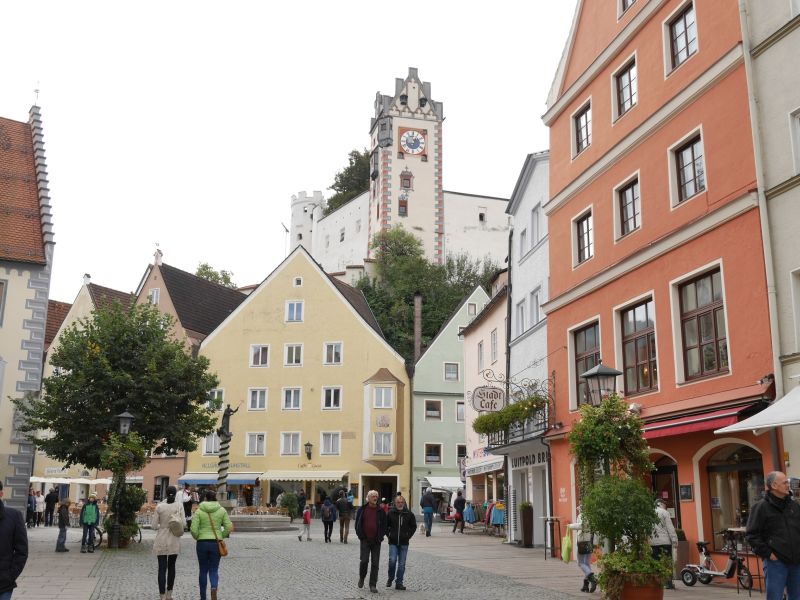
(656, 261)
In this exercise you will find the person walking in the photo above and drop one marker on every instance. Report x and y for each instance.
(773, 532)
(328, 518)
(584, 552)
(401, 525)
(186, 501)
(210, 523)
(63, 523)
(370, 529)
(30, 513)
(13, 547)
(50, 502)
(89, 520)
(39, 509)
(301, 500)
(344, 508)
(459, 504)
(306, 524)
(664, 537)
(169, 519)
(428, 505)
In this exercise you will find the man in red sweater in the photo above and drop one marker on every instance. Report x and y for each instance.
(370, 529)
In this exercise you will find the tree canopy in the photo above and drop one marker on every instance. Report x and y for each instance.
(222, 277)
(350, 181)
(403, 270)
(115, 360)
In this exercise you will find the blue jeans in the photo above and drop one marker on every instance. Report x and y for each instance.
(5, 595)
(62, 537)
(779, 576)
(208, 560)
(427, 514)
(87, 539)
(397, 557)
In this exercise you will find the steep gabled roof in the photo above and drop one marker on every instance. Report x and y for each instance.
(524, 176)
(103, 297)
(56, 313)
(357, 301)
(201, 305)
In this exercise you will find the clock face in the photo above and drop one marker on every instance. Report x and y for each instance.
(412, 142)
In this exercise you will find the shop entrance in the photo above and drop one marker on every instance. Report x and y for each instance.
(385, 485)
(665, 486)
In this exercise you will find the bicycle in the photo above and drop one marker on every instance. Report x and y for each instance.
(99, 534)
(707, 569)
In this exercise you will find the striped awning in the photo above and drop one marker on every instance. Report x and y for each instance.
(304, 475)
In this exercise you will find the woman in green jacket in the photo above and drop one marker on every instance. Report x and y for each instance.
(209, 519)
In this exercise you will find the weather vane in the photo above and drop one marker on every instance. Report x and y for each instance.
(36, 91)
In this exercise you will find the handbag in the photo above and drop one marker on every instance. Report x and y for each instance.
(175, 523)
(223, 549)
(586, 547)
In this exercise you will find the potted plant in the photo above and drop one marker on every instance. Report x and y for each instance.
(526, 516)
(612, 456)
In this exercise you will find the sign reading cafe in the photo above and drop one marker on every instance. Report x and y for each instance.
(488, 399)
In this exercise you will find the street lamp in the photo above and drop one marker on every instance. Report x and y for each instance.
(601, 381)
(308, 445)
(124, 420)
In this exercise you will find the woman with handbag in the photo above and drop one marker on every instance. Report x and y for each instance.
(585, 550)
(210, 526)
(169, 523)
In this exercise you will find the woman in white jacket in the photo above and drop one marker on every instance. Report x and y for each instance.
(167, 545)
(585, 543)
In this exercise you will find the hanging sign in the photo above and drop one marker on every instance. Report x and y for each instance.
(488, 399)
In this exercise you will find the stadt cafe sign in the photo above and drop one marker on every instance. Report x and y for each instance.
(488, 399)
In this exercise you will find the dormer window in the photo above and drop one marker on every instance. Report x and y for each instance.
(404, 99)
(423, 102)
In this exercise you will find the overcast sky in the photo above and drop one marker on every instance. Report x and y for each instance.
(191, 124)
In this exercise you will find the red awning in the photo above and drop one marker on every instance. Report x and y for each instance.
(690, 423)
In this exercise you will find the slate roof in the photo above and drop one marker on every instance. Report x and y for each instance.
(56, 313)
(357, 300)
(20, 218)
(201, 305)
(103, 297)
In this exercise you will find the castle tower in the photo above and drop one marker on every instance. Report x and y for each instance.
(306, 210)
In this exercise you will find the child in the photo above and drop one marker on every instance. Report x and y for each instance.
(63, 523)
(306, 524)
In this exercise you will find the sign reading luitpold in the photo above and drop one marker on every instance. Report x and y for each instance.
(488, 399)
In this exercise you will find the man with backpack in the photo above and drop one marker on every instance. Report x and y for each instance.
(344, 508)
(328, 518)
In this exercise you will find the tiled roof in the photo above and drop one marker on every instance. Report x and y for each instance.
(56, 313)
(357, 301)
(103, 296)
(200, 304)
(20, 218)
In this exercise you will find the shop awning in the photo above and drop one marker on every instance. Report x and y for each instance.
(206, 478)
(304, 475)
(484, 467)
(691, 423)
(451, 484)
(782, 413)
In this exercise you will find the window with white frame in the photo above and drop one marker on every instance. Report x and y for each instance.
(290, 443)
(382, 443)
(639, 362)
(521, 310)
(450, 371)
(255, 444)
(291, 398)
(584, 237)
(298, 282)
(258, 399)
(493, 344)
(629, 207)
(294, 311)
(433, 454)
(536, 226)
(215, 399)
(333, 353)
(460, 412)
(154, 295)
(794, 127)
(293, 355)
(690, 168)
(582, 126)
(259, 355)
(523, 241)
(331, 398)
(536, 306)
(626, 88)
(433, 410)
(461, 451)
(625, 5)
(683, 36)
(383, 397)
(211, 444)
(472, 308)
(480, 356)
(586, 344)
(330, 442)
(703, 326)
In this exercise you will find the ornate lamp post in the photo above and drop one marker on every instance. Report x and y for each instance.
(308, 446)
(125, 420)
(601, 381)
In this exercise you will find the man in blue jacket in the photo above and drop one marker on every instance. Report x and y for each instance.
(13, 547)
(370, 529)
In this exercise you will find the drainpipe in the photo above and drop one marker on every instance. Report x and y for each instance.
(506, 465)
(417, 326)
(766, 236)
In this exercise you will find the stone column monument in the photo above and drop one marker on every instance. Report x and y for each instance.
(225, 436)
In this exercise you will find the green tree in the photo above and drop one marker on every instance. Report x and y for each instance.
(115, 360)
(350, 181)
(223, 277)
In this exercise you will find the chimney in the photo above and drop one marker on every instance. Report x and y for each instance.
(417, 326)
(157, 257)
(87, 279)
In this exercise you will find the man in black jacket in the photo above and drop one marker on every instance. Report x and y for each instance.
(400, 527)
(773, 531)
(459, 504)
(428, 505)
(13, 548)
(370, 529)
(50, 502)
(343, 507)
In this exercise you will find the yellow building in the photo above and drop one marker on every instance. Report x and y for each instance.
(323, 401)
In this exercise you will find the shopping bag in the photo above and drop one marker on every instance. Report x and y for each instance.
(566, 548)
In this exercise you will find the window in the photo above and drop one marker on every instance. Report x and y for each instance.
(215, 398)
(259, 356)
(327, 241)
(290, 443)
(153, 296)
(451, 371)
(330, 442)
(705, 344)
(459, 412)
(626, 88)
(626, 4)
(493, 344)
(211, 444)
(383, 397)
(583, 128)
(472, 308)
(587, 355)
(341, 234)
(639, 348)
(461, 451)
(382, 443)
(433, 454)
(402, 205)
(683, 36)
(629, 207)
(584, 233)
(406, 180)
(291, 399)
(293, 355)
(794, 130)
(255, 444)
(521, 309)
(536, 306)
(298, 282)
(258, 399)
(536, 216)
(294, 310)
(2, 300)
(433, 410)
(333, 353)
(331, 398)
(358, 225)
(480, 356)
(523, 241)
(690, 168)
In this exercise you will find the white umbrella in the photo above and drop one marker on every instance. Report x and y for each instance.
(102, 481)
(780, 413)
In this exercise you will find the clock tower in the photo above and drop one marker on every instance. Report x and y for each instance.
(406, 164)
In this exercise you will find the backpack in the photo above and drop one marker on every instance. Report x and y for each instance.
(327, 513)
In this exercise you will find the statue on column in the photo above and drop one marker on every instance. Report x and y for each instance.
(224, 430)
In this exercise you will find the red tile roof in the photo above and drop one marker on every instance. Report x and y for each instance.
(20, 218)
(103, 296)
(56, 313)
